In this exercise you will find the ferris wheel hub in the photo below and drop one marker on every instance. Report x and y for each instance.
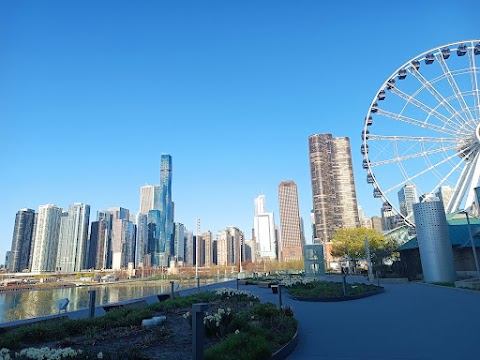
(477, 132)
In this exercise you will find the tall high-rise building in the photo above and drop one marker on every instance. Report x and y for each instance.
(179, 242)
(291, 230)
(104, 254)
(98, 245)
(207, 239)
(21, 241)
(142, 239)
(123, 244)
(7, 258)
(119, 213)
(377, 223)
(163, 203)
(407, 196)
(264, 229)
(153, 231)
(333, 187)
(63, 254)
(46, 238)
(190, 248)
(444, 194)
(73, 239)
(148, 193)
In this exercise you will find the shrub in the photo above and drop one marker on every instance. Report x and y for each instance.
(240, 346)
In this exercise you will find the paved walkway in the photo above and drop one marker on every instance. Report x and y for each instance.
(407, 321)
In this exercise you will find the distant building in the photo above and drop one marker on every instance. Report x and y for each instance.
(179, 242)
(388, 217)
(207, 240)
(291, 229)
(141, 239)
(264, 229)
(147, 196)
(190, 248)
(163, 203)
(7, 257)
(21, 241)
(445, 194)
(250, 250)
(333, 187)
(119, 213)
(73, 239)
(123, 244)
(377, 223)
(46, 238)
(407, 196)
(98, 246)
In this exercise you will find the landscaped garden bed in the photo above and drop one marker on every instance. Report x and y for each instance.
(237, 326)
(317, 290)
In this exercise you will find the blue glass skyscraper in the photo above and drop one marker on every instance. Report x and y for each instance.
(163, 203)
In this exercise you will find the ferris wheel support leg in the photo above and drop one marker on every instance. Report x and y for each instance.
(473, 182)
(460, 189)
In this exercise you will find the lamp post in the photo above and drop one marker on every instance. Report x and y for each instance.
(196, 252)
(471, 241)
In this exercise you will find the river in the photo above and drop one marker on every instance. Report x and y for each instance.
(24, 304)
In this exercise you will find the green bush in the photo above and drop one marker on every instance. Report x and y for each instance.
(241, 346)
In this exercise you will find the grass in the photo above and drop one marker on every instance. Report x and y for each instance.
(328, 289)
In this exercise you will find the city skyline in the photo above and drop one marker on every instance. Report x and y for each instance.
(231, 91)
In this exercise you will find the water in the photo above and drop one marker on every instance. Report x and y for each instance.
(26, 304)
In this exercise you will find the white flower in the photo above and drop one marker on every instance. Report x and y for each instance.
(100, 355)
(237, 332)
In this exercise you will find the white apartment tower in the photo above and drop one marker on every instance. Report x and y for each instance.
(264, 230)
(46, 238)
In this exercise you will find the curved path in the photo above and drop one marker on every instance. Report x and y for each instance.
(407, 321)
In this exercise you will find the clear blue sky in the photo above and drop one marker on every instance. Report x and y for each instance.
(92, 92)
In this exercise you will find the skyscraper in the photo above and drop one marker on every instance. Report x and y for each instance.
(73, 239)
(46, 238)
(21, 241)
(291, 232)
(264, 229)
(333, 186)
(163, 203)
(98, 245)
(142, 239)
(148, 193)
(407, 196)
(444, 194)
(123, 243)
(179, 242)
(207, 239)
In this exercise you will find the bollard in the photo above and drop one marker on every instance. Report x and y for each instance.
(172, 292)
(91, 303)
(237, 283)
(198, 281)
(344, 285)
(279, 296)
(198, 330)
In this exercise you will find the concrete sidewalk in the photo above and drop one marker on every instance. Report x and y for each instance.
(407, 321)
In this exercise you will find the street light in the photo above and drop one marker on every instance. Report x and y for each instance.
(473, 244)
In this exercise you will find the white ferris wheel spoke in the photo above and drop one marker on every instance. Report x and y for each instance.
(411, 138)
(440, 98)
(473, 182)
(419, 123)
(409, 180)
(410, 99)
(456, 89)
(412, 156)
(474, 82)
(445, 178)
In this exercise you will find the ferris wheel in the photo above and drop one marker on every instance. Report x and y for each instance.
(422, 129)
